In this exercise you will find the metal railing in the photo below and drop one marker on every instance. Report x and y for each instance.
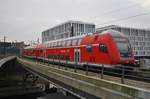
(121, 71)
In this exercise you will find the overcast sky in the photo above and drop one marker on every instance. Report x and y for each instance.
(24, 20)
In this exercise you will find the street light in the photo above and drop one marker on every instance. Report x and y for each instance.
(4, 46)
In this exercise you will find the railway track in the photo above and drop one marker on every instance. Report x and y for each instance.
(121, 75)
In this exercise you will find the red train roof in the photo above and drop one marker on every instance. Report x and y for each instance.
(101, 37)
(39, 46)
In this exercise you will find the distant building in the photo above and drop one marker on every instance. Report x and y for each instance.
(11, 48)
(139, 39)
(67, 29)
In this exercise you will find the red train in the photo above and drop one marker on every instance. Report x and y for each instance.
(110, 48)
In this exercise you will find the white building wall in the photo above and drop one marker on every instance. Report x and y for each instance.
(64, 30)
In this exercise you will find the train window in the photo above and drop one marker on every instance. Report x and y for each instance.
(67, 57)
(103, 48)
(63, 43)
(79, 41)
(68, 42)
(89, 48)
(71, 42)
(49, 44)
(49, 56)
(40, 51)
(57, 43)
(58, 56)
(62, 57)
(53, 44)
(74, 42)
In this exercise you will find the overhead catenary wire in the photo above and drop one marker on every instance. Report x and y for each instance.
(119, 9)
(126, 18)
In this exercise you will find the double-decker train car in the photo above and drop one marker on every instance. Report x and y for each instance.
(34, 51)
(110, 48)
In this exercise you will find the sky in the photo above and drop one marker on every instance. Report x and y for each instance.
(24, 20)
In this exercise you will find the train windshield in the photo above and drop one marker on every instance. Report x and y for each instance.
(124, 47)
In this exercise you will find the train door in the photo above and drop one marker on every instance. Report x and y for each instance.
(44, 53)
(77, 55)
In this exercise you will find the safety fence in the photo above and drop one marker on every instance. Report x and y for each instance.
(121, 71)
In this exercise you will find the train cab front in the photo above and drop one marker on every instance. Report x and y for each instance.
(123, 48)
(125, 53)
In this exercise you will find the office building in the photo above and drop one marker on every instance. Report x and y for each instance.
(67, 29)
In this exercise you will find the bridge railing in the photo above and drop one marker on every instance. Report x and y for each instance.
(124, 72)
(6, 59)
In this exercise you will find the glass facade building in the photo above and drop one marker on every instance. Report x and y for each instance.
(67, 29)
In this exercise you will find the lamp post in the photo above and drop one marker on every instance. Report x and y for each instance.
(4, 46)
(0, 48)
